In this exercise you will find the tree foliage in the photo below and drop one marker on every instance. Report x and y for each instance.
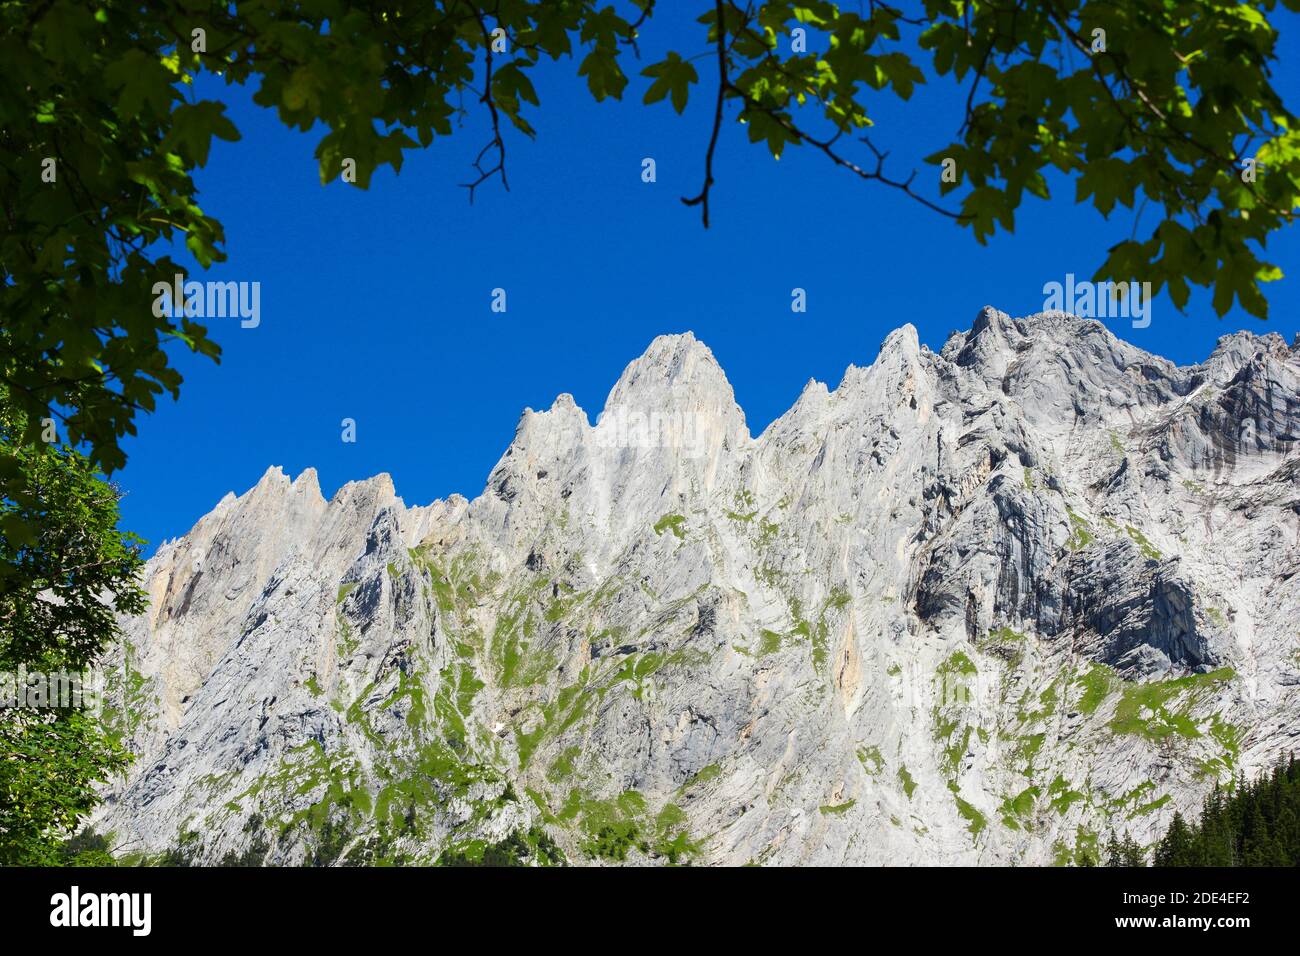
(533, 847)
(1254, 824)
(59, 594)
(1126, 852)
(1160, 114)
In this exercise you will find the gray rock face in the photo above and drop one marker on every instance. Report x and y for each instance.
(985, 606)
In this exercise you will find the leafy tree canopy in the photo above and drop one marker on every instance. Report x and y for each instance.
(1147, 104)
(59, 594)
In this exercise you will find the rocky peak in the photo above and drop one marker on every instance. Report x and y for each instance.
(678, 374)
(1233, 351)
(989, 346)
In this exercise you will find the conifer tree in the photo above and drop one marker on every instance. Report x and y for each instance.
(1253, 824)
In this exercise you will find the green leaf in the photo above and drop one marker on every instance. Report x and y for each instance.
(672, 75)
(604, 75)
(194, 125)
(763, 126)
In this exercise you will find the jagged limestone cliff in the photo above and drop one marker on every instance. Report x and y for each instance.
(980, 606)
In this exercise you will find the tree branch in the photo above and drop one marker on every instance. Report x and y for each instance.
(496, 142)
(723, 85)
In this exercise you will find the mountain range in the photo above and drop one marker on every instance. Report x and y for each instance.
(987, 605)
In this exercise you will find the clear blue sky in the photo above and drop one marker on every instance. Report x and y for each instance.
(375, 304)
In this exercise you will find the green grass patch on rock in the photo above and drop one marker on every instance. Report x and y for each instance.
(674, 523)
